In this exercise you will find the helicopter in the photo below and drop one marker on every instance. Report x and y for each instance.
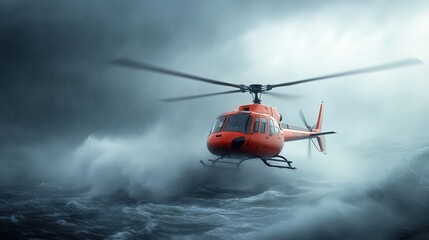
(256, 131)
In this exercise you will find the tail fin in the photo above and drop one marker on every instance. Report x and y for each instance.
(319, 119)
(320, 139)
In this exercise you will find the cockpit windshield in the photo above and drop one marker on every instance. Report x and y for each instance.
(218, 124)
(238, 123)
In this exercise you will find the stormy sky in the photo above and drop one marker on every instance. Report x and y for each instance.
(68, 116)
(64, 107)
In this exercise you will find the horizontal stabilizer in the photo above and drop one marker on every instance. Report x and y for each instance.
(322, 133)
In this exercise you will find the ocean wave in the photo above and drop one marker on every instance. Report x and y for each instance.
(15, 218)
(64, 223)
(269, 195)
(121, 235)
(75, 206)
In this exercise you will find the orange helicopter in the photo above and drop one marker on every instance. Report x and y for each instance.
(255, 131)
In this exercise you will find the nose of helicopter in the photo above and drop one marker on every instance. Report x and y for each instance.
(223, 143)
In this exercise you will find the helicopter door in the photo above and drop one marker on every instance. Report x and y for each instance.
(258, 135)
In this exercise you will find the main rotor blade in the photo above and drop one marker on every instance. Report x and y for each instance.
(198, 96)
(382, 67)
(282, 95)
(124, 62)
(301, 114)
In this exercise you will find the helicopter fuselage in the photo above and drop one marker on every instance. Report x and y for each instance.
(254, 130)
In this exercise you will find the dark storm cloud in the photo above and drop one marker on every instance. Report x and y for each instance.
(54, 90)
(53, 80)
(54, 86)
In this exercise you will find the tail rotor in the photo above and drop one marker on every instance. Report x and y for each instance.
(316, 130)
(310, 129)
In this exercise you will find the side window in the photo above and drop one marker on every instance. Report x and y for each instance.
(256, 126)
(271, 127)
(263, 125)
(248, 123)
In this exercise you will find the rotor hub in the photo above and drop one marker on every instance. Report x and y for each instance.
(256, 90)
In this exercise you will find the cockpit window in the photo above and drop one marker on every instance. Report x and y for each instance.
(218, 124)
(272, 127)
(263, 125)
(256, 126)
(238, 123)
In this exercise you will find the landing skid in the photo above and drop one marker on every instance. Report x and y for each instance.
(277, 158)
(224, 161)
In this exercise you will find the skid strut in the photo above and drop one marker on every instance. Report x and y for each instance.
(278, 158)
(227, 160)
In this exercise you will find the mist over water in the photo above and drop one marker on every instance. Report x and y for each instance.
(139, 196)
(157, 172)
